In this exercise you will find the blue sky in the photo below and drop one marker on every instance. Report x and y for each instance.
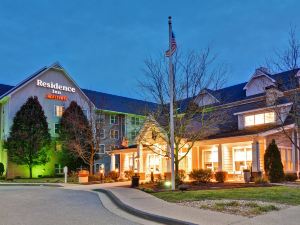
(102, 44)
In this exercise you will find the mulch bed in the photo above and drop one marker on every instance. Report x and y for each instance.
(205, 186)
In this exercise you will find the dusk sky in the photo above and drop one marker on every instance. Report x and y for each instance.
(102, 44)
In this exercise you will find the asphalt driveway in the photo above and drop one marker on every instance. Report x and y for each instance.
(50, 205)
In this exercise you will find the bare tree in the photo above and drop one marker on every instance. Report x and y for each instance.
(197, 75)
(78, 133)
(288, 58)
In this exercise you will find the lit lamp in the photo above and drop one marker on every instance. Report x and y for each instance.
(117, 170)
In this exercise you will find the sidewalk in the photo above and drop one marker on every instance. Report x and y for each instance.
(148, 203)
(145, 202)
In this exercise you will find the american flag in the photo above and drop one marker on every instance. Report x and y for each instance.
(173, 46)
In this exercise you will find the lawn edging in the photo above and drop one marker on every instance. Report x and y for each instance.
(139, 213)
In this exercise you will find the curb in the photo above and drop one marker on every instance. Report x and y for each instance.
(142, 214)
(31, 184)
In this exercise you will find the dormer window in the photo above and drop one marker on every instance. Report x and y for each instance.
(259, 119)
(258, 82)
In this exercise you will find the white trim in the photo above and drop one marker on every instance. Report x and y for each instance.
(256, 76)
(276, 130)
(114, 134)
(103, 133)
(101, 153)
(35, 76)
(260, 109)
(117, 119)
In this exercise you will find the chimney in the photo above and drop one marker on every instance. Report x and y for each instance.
(272, 94)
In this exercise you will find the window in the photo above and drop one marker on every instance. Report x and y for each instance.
(113, 119)
(101, 118)
(135, 120)
(286, 158)
(114, 134)
(242, 158)
(154, 163)
(258, 119)
(58, 169)
(59, 110)
(101, 149)
(210, 159)
(56, 128)
(133, 134)
(102, 133)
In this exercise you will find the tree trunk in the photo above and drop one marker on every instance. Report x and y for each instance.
(30, 171)
(91, 166)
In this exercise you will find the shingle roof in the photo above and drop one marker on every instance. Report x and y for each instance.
(117, 103)
(5, 88)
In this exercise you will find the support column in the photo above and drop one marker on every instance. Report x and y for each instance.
(294, 150)
(133, 162)
(220, 158)
(255, 157)
(140, 158)
(112, 162)
(298, 153)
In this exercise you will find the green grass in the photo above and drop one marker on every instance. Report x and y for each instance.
(36, 180)
(279, 194)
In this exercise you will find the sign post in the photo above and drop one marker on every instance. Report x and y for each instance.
(66, 173)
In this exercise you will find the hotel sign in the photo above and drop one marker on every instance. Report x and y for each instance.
(55, 86)
(56, 90)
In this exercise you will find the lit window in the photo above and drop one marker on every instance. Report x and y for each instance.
(249, 120)
(210, 159)
(114, 134)
(154, 163)
(258, 119)
(59, 110)
(113, 119)
(270, 117)
(101, 149)
(242, 158)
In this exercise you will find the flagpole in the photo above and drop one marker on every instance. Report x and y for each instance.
(171, 83)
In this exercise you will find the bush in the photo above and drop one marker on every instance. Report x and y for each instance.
(128, 174)
(273, 165)
(201, 175)
(180, 176)
(113, 175)
(221, 176)
(291, 177)
(260, 180)
(94, 178)
(1, 168)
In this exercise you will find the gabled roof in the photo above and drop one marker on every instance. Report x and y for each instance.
(259, 72)
(101, 100)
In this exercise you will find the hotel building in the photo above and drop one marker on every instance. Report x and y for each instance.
(257, 111)
(117, 118)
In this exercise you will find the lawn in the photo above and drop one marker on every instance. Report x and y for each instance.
(279, 194)
(38, 180)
